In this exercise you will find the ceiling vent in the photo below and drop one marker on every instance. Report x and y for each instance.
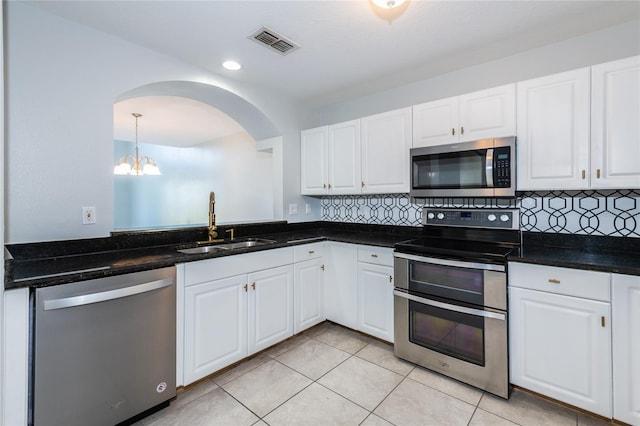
(274, 41)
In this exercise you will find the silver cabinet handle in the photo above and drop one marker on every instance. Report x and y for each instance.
(449, 307)
(86, 299)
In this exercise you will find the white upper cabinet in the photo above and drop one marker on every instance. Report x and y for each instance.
(386, 140)
(581, 129)
(344, 158)
(330, 159)
(435, 123)
(368, 155)
(484, 114)
(553, 131)
(615, 124)
(314, 150)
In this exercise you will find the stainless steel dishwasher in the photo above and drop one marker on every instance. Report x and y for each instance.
(103, 350)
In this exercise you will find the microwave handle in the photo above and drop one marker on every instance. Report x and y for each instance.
(489, 167)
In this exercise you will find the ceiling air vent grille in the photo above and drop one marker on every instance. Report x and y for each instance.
(274, 41)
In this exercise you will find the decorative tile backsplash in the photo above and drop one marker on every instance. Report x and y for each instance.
(611, 213)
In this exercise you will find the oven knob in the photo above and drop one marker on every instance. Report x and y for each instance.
(504, 218)
(491, 217)
(440, 216)
(430, 215)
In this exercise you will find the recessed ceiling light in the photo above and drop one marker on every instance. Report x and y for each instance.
(231, 65)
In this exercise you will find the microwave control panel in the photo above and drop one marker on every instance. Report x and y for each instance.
(473, 218)
(502, 167)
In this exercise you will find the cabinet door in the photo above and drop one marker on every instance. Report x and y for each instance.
(215, 326)
(626, 348)
(308, 294)
(375, 300)
(341, 289)
(344, 158)
(270, 307)
(435, 123)
(386, 140)
(615, 124)
(553, 132)
(314, 145)
(488, 113)
(15, 386)
(560, 346)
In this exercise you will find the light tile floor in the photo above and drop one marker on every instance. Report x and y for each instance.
(331, 375)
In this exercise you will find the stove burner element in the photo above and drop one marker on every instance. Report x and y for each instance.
(477, 235)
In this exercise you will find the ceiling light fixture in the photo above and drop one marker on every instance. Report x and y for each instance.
(388, 4)
(231, 65)
(124, 166)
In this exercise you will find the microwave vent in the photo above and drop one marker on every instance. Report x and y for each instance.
(274, 41)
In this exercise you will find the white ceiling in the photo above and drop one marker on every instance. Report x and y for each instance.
(171, 120)
(347, 47)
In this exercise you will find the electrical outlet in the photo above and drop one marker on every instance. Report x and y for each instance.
(293, 209)
(88, 215)
(307, 208)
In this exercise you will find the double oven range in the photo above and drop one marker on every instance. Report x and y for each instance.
(450, 299)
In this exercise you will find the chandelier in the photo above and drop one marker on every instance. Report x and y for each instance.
(125, 166)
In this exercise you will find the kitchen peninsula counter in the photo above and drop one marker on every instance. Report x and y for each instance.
(60, 262)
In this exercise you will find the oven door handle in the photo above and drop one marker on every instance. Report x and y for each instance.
(454, 263)
(450, 307)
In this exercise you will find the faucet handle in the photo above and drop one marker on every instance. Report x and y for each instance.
(231, 231)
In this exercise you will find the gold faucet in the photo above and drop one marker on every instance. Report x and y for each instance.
(232, 232)
(213, 233)
(212, 228)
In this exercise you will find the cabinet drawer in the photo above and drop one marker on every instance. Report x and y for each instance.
(308, 251)
(227, 266)
(571, 282)
(375, 255)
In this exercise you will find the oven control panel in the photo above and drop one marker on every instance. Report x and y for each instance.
(472, 218)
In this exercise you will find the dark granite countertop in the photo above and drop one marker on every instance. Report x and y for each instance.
(60, 262)
(596, 253)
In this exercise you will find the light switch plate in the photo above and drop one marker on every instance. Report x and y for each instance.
(293, 209)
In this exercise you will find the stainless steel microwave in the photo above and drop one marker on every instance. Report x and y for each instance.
(483, 168)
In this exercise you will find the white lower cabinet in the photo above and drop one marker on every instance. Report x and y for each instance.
(625, 305)
(341, 279)
(560, 334)
(15, 368)
(231, 312)
(375, 292)
(308, 291)
(215, 326)
(270, 307)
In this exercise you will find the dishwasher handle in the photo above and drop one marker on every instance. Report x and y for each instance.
(86, 299)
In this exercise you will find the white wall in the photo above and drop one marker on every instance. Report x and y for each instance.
(62, 81)
(616, 42)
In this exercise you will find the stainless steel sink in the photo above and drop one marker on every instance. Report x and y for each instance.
(248, 242)
(245, 243)
(204, 249)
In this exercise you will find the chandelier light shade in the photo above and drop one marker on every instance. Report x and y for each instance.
(130, 165)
